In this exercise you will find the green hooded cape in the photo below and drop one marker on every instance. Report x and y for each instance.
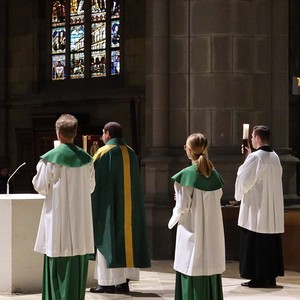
(67, 155)
(191, 177)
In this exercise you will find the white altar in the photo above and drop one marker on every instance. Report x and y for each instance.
(21, 269)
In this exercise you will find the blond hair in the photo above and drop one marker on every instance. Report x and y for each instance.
(66, 125)
(198, 146)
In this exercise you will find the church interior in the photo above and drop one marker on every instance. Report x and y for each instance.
(163, 69)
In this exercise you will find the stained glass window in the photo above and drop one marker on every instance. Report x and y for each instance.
(85, 39)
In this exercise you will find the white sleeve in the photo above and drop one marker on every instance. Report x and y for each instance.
(42, 180)
(183, 197)
(92, 177)
(247, 175)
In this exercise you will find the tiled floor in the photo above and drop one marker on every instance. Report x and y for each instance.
(158, 282)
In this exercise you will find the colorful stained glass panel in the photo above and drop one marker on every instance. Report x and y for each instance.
(115, 62)
(58, 67)
(115, 34)
(58, 12)
(98, 36)
(98, 10)
(98, 64)
(77, 38)
(115, 9)
(77, 65)
(76, 11)
(58, 40)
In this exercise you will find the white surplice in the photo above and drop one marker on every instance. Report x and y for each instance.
(200, 246)
(259, 188)
(66, 227)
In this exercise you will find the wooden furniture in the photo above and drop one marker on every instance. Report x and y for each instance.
(291, 239)
(231, 231)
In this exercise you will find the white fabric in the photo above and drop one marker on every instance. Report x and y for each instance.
(200, 246)
(66, 226)
(259, 187)
(113, 276)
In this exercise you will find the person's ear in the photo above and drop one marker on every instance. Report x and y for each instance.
(58, 135)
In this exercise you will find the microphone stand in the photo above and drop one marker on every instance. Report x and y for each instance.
(7, 184)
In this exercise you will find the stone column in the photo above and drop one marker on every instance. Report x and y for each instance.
(156, 164)
(280, 97)
(157, 73)
(3, 81)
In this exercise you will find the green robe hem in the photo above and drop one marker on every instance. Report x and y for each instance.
(198, 287)
(65, 277)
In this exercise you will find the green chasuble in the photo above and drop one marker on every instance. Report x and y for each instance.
(118, 209)
(68, 155)
(191, 177)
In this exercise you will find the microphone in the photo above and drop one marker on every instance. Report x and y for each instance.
(7, 184)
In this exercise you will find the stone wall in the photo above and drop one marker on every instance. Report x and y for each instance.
(216, 65)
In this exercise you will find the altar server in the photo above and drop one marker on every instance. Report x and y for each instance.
(200, 249)
(261, 217)
(65, 176)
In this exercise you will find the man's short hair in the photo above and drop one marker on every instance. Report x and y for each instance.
(66, 125)
(263, 132)
(114, 129)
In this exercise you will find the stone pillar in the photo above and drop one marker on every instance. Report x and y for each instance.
(156, 164)
(157, 73)
(3, 81)
(279, 28)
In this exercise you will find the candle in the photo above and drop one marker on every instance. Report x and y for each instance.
(84, 142)
(56, 143)
(245, 131)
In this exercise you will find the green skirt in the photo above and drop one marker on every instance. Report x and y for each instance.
(198, 287)
(65, 278)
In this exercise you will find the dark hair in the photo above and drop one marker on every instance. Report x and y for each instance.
(263, 132)
(66, 125)
(114, 129)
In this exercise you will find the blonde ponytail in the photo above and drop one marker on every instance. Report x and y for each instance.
(204, 165)
(198, 145)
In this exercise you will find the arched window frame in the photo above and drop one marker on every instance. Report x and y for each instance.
(85, 39)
